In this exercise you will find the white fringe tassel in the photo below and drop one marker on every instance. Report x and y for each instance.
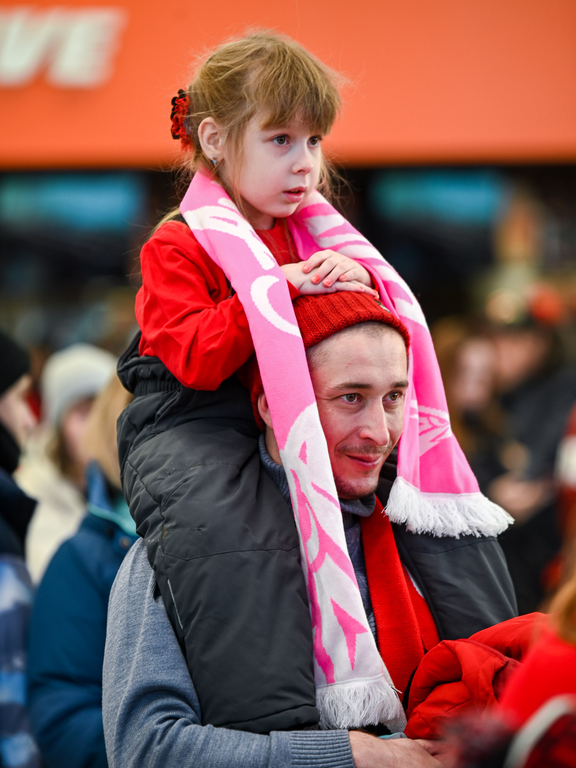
(445, 514)
(354, 704)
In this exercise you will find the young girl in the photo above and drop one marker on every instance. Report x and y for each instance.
(253, 119)
(216, 286)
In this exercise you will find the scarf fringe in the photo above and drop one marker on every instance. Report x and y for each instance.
(445, 514)
(355, 704)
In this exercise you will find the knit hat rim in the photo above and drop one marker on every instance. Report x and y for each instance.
(321, 316)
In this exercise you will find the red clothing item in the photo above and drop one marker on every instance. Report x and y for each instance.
(404, 624)
(549, 670)
(185, 309)
(469, 675)
(426, 624)
(557, 748)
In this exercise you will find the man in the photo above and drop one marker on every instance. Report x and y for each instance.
(222, 611)
(17, 747)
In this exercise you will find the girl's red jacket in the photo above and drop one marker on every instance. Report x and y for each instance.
(188, 315)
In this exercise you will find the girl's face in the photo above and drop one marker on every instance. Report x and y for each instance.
(279, 168)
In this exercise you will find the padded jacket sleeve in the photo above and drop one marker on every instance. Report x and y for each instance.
(185, 311)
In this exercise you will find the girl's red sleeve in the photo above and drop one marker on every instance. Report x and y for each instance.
(185, 312)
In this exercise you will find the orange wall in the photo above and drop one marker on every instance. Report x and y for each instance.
(431, 80)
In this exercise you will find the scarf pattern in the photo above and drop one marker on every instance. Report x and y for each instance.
(435, 490)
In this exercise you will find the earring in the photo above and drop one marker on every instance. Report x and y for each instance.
(214, 161)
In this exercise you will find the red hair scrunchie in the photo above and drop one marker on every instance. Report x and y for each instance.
(180, 107)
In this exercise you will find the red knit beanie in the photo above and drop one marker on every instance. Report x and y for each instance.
(321, 316)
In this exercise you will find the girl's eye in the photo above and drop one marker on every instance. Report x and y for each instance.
(314, 141)
(351, 398)
(281, 140)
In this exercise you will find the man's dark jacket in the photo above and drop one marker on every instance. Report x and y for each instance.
(225, 549)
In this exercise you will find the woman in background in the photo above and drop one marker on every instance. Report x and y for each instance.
(53, 468)
(68, 626)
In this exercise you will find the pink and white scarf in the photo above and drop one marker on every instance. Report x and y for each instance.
(435, 490)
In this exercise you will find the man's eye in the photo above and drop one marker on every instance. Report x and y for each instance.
(352, 398)
(395, 396)
(281, 140)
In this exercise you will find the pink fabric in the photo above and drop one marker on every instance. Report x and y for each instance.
(354, 687)
(445, 469)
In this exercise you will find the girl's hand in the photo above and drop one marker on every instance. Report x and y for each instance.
(295, 274)
(328, 267)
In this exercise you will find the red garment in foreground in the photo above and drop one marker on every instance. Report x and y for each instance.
(557, 748)
(463, 676)
(404, 624)
(546, 740)
(548, 670)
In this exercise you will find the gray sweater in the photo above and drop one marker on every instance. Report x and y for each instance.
(150, 709)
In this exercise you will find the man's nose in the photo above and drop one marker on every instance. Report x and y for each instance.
(375, 425)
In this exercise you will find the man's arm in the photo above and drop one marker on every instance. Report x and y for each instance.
(150, 709)
(152, 715)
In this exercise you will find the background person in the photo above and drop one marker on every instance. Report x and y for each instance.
(17, 748)
(68, 624)
(510, 393)
(53, 468)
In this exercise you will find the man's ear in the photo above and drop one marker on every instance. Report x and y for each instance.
(211, 138)
(263, 410)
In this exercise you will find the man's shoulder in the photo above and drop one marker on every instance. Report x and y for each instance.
(135, 573)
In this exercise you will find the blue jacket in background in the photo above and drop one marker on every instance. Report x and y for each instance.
(17, 748)
(68, 633)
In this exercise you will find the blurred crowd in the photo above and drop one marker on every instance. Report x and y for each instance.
(511, 396)
(64, 531)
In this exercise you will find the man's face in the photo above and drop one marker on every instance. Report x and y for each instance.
(15, 413)
(360, 381)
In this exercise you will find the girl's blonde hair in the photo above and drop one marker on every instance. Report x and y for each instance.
(261, 74)
(99, 439)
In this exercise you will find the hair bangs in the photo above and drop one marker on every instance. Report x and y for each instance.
(294, 87)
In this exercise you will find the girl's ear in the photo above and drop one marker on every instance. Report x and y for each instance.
(211, 138)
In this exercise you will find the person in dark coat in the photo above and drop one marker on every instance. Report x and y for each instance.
(17, 747)
(68, 625)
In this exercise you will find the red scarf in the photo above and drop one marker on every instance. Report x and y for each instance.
(405, 628)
